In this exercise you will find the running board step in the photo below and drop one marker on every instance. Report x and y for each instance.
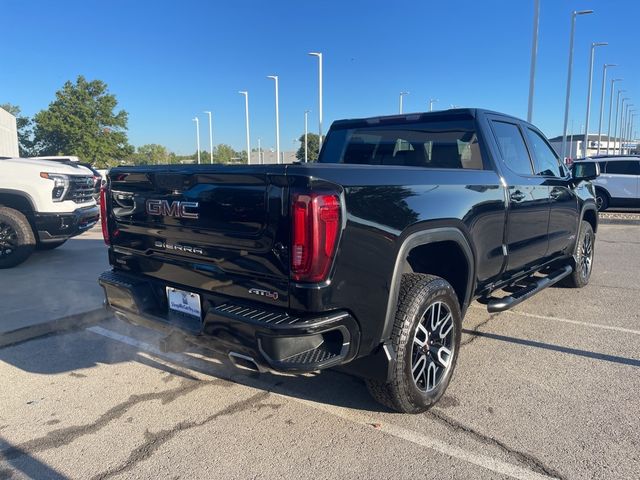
(495, 305)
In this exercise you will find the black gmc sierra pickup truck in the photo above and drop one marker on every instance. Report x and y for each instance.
(365, 260)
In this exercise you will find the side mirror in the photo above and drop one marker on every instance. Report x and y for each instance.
(585, 171)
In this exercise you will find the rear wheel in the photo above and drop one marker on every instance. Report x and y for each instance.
(602, 200)
(426, 339)
(583, 256)
(16, 238)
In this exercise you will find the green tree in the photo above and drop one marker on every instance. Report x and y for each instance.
(152, 154)
(313, 147)
(25, 129)
(82, 121)
(224, 154)
(205, 157)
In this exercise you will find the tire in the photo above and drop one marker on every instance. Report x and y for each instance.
(50, 245)
(17, 240)
(421, 296)
(583, 255)
(602, 199)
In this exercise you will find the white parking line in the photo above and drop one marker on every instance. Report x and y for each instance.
(478, 459)
(567, 320)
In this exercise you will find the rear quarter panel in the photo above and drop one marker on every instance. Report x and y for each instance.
(386, 204)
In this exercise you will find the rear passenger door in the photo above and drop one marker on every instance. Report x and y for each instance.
(528, 198)
(563, 202)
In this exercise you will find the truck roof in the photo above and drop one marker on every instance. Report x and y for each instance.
(418, 117)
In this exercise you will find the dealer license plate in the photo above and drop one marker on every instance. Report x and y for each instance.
(184, 302)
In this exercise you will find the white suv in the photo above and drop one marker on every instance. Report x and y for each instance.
(619, 182)
(42, 204)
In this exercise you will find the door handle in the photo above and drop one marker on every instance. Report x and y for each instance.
(555, 194)
(517, 196)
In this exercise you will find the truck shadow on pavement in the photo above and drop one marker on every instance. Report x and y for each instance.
(555, 348)
(73, 352)
(24, 463)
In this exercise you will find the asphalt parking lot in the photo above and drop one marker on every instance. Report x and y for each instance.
(550, 389)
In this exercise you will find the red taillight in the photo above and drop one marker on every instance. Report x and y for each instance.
(315, 231)
(103, 214)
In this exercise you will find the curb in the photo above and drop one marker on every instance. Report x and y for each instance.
(618, 221)
(59, 325)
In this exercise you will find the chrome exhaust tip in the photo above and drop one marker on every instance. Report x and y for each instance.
(244, 362)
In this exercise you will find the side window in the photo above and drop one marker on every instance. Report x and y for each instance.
(546, 162)
(625, 167)
(512, 146)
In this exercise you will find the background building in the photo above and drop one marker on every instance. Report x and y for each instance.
(8, 135)
(575, 147)
(269, 157)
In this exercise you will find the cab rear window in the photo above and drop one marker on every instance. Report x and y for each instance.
(448, 144)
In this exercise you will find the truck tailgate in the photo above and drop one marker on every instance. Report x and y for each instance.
(219, 229)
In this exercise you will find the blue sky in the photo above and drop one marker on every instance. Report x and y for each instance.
(168, 61)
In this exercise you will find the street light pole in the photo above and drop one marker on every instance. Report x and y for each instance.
(210, 137)
(246, 116)
(613, 81)
(625, 131)
(586, 123)
(534, 55)
(431, 102)
(275, 79)
(568, 97)
(197, 120)
(319, 55)
(627, 119)
(621, 117)
(604, 86)
(615, 128)
(306, 132)
(630, 129)
(402, 94)
(571, 141)
(624, 126)
(623, 120)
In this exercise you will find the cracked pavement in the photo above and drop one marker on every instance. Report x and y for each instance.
(549, 389)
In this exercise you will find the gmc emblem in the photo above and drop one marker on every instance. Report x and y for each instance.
(175, 209)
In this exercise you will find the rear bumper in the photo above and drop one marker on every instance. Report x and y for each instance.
(52, 227)
(270, 339)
